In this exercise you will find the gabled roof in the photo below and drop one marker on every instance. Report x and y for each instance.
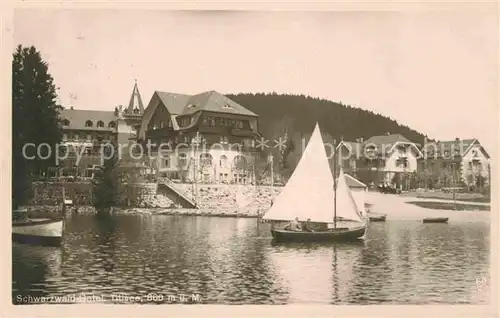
(78, 117)
(174, 102)
(460, 147)
(182, 104)
(213, 101)
(387, 142)
(387, 139)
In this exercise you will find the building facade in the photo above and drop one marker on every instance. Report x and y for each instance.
(85, 132)
(457, 162)
(388, 158)
(205, 137)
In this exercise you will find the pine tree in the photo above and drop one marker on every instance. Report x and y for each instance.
(35, 119)
(105, 183)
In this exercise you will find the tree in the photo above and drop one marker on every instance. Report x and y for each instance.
(105, 183)
(35, 119)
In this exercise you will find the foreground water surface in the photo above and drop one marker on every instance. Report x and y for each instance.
(234, 261)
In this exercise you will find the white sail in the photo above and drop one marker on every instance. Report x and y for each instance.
(346, 205)
(308, 193)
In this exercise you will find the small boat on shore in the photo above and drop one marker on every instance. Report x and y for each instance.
(377, 217)
(46, 232)
(313, 194)
(435, 220)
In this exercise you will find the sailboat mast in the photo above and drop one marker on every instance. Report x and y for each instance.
(335, 184)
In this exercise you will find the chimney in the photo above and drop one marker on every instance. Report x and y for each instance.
(361, 140)
(71, 108)
(457, 139)
(387, 133)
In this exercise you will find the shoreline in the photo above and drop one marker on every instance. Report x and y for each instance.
(56, 211)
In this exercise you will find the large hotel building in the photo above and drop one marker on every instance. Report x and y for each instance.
(207, 136)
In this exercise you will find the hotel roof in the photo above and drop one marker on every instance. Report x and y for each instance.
(77, 119)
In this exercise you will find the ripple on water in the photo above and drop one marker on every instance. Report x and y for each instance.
(401, 262)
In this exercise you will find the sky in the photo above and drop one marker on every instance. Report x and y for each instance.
(434, 71)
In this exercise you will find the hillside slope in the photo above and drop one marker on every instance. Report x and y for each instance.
(299, 113)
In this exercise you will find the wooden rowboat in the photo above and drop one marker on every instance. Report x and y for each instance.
(36, 231)
(377, 218)
(435, 220)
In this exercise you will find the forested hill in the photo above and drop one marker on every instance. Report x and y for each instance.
(299, 113)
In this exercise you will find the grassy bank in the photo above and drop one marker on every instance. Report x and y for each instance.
(449, 206)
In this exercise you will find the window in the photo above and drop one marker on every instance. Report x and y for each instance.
(239, 162)
(182, 160)
(223, 161)
(167, 162)
(88, 123)
(100, 124)
(185, 121)
(224, 140)
(205, 160)
(227, 106)
(65, 137)
(65, 122)
(62, 151)
(162, 124)
(89, 137)
(209, 121)
(240, 124)
(111, 124)
(169, 123)
(88, 151)
(76, 137)
(247, 142)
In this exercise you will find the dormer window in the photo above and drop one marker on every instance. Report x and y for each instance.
(100, 124)
(111, 124)
(88, 123)
(191, 106)
(65, 122)
(227, 106)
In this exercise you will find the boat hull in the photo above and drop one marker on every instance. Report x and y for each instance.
(38, 232)
(381, 218)
(435, 220)
(341, 234)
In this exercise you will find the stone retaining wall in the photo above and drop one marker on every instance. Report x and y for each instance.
(223, 196)
(213, 200)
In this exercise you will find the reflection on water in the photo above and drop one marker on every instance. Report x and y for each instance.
(234, 261)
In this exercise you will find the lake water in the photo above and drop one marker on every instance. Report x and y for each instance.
(160, 259)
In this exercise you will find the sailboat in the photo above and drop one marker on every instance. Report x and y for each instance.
(310, 193)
